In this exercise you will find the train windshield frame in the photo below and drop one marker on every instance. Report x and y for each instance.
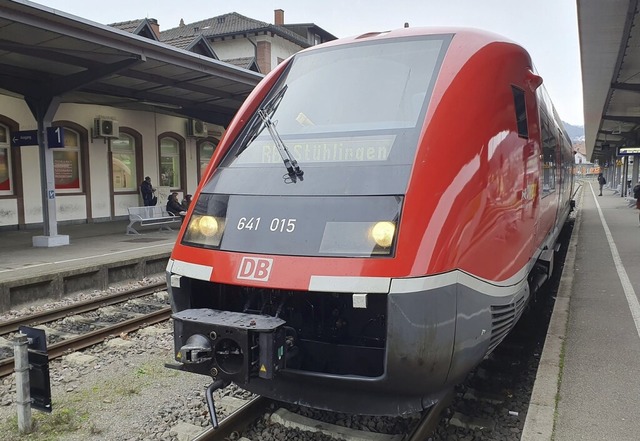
(347, 114)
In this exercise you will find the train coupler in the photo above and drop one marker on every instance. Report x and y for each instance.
(229, 346)
(197, 349)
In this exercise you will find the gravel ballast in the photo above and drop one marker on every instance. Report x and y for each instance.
(118, 390)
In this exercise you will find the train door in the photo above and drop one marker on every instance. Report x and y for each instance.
(549, 191)
(565, 170)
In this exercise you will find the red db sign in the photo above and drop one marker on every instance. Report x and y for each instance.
(254, 268)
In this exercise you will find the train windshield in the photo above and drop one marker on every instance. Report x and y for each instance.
(350, 115)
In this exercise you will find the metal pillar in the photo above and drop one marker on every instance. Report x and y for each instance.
(43, 109)
(23, 398)
(625, 174)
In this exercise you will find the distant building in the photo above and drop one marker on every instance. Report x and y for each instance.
(580, 151)
(246, 42)
(583, 166)
(146, 27)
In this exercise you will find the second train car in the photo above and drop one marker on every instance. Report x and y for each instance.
(373, 222)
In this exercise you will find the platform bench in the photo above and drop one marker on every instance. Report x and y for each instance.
(146, 216)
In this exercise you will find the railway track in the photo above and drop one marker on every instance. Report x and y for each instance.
(132, 322)
(79, 308)
(260, 408)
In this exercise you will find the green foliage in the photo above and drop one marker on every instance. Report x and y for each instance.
(46, 426)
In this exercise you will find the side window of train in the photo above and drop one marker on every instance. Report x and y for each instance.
(549, 143)
(521, 111)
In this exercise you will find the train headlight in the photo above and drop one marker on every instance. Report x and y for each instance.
(382, 233)
(204, 230)
(364, 238)
(208, 225)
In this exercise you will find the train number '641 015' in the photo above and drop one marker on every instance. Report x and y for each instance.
(276, 225)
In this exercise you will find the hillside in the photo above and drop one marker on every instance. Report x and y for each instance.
(575, 132)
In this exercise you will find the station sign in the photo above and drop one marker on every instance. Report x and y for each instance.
(628, 151)
(55, 137)
(24, 137)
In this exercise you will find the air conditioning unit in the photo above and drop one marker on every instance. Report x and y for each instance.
(106, 128)
(196, 128)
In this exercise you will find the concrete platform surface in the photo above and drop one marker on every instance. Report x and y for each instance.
(97, 255)
(587, 383)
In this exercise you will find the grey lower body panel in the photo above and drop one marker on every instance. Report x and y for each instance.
(434, 338)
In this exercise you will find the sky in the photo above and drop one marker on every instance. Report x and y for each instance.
(547, 29)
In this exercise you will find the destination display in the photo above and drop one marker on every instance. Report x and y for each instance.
(343, 149)
(628, 151)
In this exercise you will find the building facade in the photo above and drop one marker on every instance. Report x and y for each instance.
(107, 151)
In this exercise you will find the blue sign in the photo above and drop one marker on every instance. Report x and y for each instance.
(24, 137)
(55, 137)
(628, 151)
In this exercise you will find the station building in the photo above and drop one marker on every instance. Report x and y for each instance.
(122, 122)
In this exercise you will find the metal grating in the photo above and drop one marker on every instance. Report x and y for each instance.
(503, 318)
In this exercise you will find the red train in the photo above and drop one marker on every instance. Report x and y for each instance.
(373, 222)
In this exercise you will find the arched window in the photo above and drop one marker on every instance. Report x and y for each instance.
(171, 162)
(67, 163)
(6, 187)
(124, 165)
(205, 151)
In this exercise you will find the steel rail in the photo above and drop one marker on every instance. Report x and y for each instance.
(79, 308)
(237, 421)
(94, 337)
(431, 418)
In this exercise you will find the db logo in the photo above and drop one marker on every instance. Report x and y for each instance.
(253, 268)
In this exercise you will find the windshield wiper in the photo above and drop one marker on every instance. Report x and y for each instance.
(287, 157)
(264, 120)
(256, 125)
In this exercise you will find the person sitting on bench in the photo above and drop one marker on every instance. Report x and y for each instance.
(174, 207)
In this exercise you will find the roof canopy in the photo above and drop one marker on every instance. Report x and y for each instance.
(610, 53)
(44, 52)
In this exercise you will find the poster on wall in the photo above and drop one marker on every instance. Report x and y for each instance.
(5, 184)
(66, 170)
(163, 192)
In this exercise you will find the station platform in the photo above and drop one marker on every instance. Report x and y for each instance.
(98, 255)
(587, 384)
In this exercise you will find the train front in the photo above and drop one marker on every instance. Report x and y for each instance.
(293, 273)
